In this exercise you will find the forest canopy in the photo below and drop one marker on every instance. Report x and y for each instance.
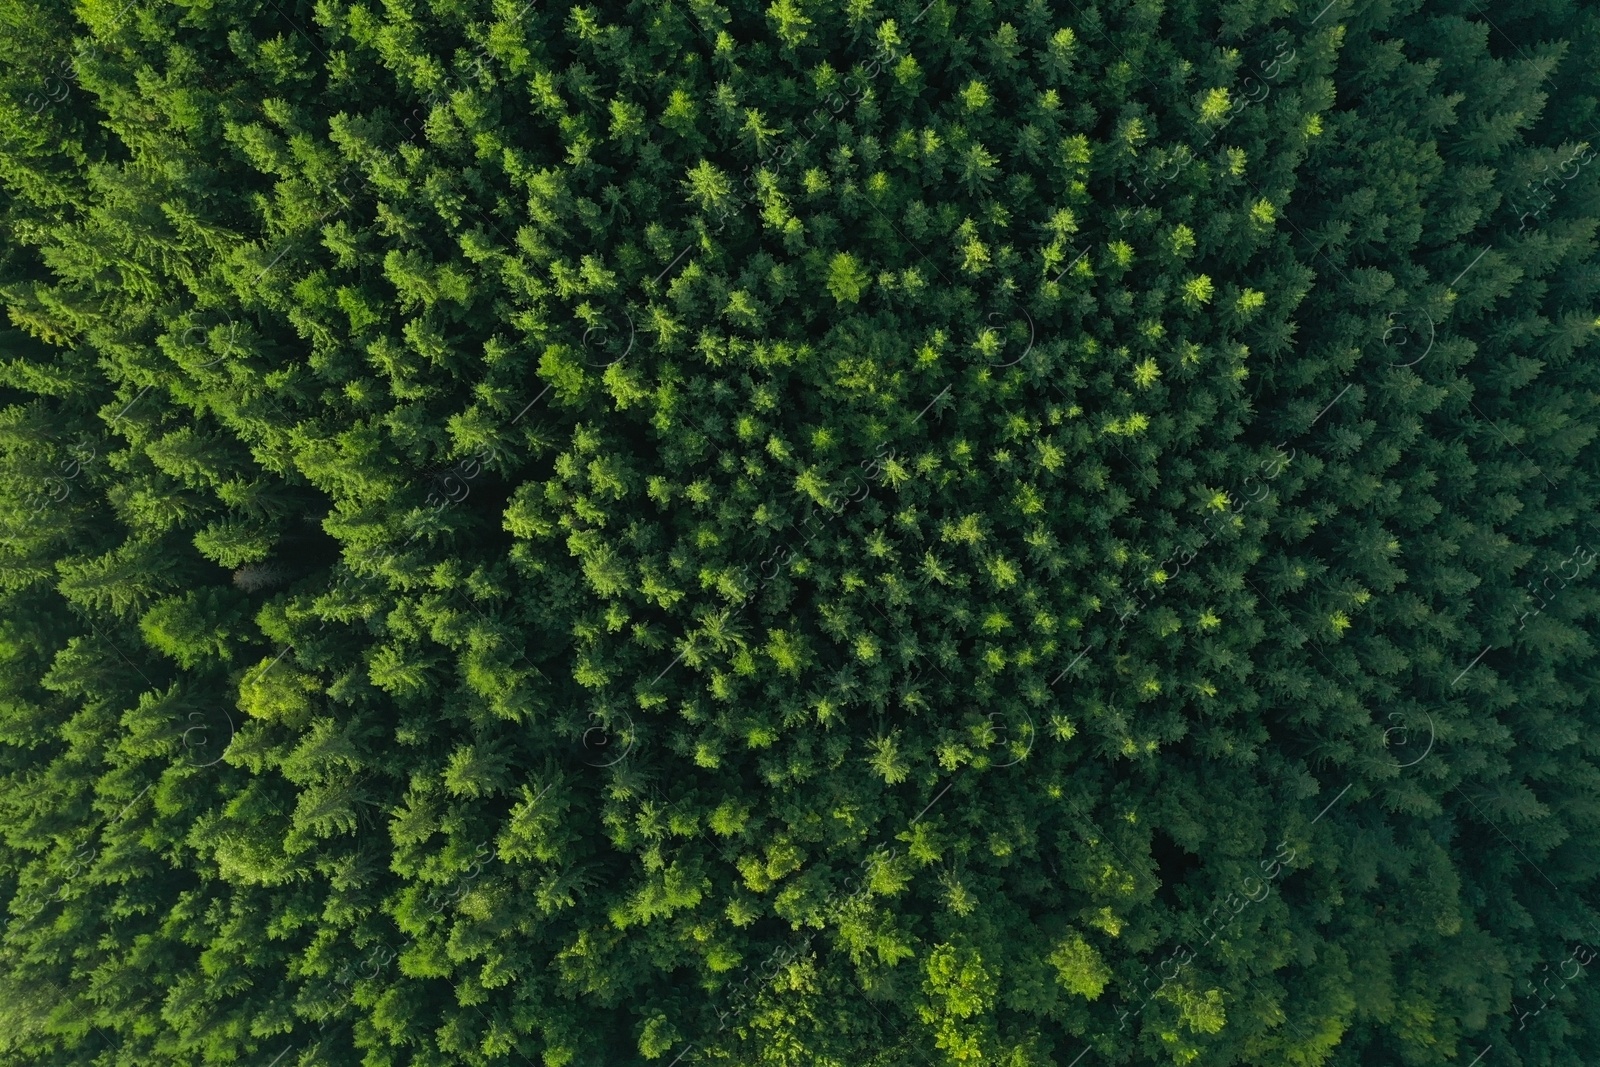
(996, 532)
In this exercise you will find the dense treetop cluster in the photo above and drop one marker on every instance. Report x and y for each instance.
(825, 535)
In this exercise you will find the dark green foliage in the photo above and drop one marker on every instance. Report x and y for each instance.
(998, 533)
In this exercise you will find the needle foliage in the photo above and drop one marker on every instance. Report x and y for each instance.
(824, 535)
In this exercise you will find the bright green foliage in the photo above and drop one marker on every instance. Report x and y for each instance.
(846, 280)
(1079, 967)
(793, 533)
